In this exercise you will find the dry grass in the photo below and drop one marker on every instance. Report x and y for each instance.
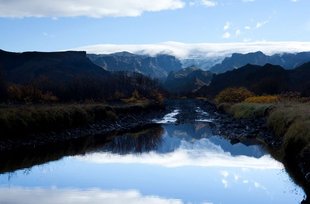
(263, 99)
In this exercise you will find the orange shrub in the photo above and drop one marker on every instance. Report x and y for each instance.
(233, 95)
(263, 99)
(29, 94)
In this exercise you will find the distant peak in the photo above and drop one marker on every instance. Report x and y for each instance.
(123, 53)
(191, 68)
(258, 52)
(250, 53)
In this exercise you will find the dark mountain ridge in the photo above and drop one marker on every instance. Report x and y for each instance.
(57, 66)
(69, 76)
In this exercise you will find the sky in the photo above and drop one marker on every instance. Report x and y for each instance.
(46, 25)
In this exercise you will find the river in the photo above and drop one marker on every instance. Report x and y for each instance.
(177, 161)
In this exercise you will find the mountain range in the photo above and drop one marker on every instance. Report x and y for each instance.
(286, 60)
(158, 66)
(64, 67)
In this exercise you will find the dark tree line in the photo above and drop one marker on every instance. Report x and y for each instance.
(3, 88)
(116, 86)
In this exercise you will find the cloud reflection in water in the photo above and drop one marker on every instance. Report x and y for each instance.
(202, 153)
(77, 196)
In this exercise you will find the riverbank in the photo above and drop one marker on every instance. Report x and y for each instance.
(31, 126)
(283, 126)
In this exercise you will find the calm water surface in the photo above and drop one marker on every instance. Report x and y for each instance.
(172, 163)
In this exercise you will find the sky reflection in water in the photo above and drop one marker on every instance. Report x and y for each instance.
(185, 164)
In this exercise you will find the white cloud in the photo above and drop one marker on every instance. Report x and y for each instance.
(226, 35)
(225, 183)
(192, 3)
(77, 196)
(294, 1)
(258, 185)
(209, 3)
(261, 24)
(247, 27)
(226, 26)
(246, 40)
(48, 35)
(245, 181)
(224, 173)
(248, 1)
(188, 50)
(238, 32)
(90, 8)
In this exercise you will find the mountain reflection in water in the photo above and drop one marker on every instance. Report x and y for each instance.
(181, 145)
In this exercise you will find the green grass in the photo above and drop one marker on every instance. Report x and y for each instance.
(20, 121)
(250, 110)
(292, 122)
(289, 121)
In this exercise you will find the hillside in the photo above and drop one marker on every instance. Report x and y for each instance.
(56, 66)
(267, 79)
(187, 80)
(69, 76)
(155, 67)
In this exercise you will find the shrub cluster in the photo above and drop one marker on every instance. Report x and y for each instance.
(113, 87)
(29, 94)
(233, 95)
(263, 99)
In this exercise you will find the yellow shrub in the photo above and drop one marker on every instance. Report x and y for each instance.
(262, 99)
(233, 95)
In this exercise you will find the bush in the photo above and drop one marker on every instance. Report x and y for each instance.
(262, 99)
(233, 95)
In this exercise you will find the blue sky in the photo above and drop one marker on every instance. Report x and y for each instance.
(65, 24)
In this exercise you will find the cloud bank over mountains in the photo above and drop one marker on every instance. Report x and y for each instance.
(90, 8)
(193, 50)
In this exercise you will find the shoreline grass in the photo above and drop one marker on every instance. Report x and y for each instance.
(20, 121)
(289, 121)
